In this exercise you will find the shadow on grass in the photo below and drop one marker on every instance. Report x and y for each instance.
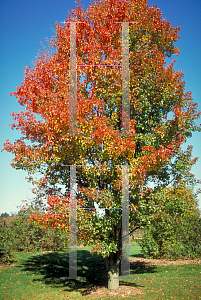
(137, 266)
(138, 255)
(140, 267)
(55, 265)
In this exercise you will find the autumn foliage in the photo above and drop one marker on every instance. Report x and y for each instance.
(162, 117)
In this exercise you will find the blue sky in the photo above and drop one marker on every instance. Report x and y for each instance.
(24, 24)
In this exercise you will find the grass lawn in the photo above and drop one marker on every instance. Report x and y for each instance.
(37, 276)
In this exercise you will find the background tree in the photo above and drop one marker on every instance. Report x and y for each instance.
(18, 234)
(100, 149)
(174, 226)
(172, 219)
(4, 215)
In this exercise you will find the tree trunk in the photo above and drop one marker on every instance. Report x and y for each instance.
(112, 265)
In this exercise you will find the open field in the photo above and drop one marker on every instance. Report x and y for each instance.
(37, 276)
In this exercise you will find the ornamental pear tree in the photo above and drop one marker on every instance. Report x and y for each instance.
(89, 133)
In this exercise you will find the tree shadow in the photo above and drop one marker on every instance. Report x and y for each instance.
(141, 267)
(138, 255)
(54, 265)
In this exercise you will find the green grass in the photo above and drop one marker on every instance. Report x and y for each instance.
(37, 276)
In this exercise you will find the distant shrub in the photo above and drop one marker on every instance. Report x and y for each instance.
(174, 228)
(17, 233)
(190, 235)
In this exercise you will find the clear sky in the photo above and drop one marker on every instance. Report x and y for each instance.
(24, 24)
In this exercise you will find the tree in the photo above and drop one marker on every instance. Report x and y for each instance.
(4, 215)
(174, 227)
(172, 220)
(18, 234)
(101, 146)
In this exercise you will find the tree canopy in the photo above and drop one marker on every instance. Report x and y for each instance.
(162, 117)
